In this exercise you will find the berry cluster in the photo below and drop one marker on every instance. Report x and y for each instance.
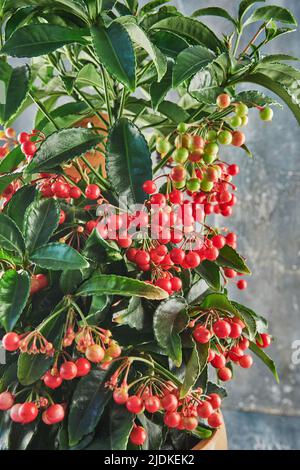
(227, 341)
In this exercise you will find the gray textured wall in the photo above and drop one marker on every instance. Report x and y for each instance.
(268, 223)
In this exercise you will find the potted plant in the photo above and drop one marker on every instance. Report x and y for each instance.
(114, 308)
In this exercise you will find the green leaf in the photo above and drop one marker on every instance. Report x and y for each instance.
(88, 402)
(169, 320)
(150, 6)
(154, 433)
(107, 251)
(18, 19)
(192, 372)
(192, 30)
(173, 111)
(158, 91)
(31, 367)
(210, 272)
(89, 76)
(38, 39)
(41, 219)
(229, 258)
(214, 11)
(12, 160)
(14, 85)
(18, 204)
(111, 284)
(169, 43)
(189, 62)
(133, 315)
(139, 37)
(250, 321)
(266, 359)
(214, 388)
(5, 180)
(70, 280)
(219, 302)
(274, 13)
(99, 308)
(115, 51)
(11, 238)
(277, 58)
(254, 98)
(245, 5)
(58, 256)
(63, 146)
(14, 292)
(120, 426)
(128, 161)
(64, 116)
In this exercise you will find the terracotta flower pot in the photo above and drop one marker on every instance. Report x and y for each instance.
(95, 158)
(218, 441)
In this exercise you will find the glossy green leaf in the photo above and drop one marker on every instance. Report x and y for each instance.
(14, 85)
(219, 302)
(18, 204)
(106, 250)
(133, 315)
(154, 433)
(64, 116)
(214, 11)
(245, 5)
(63, 146)
(169, 43)
(271, 12)
(89, 76)
(277, 58)
(115, 51)
(58, 256)
(37, 39)
(18, 18)
(229, 258)
(214, 388)
(40, 221)
(120, 426)
(189, 62)
(158, 91)
(12, 160)
(112, 284)
(266, 359)
(139, 37)
(210, 272)
(169, 320)
(70, 280)
(11, 238)
(191, 29)
(192, 372)
(255, 323)
(128, 161)
(254, 98)
(152, 5)
(31, 367)
(88, 402)
(14, 292)
(173, 111)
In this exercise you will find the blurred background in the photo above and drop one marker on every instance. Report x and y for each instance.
(259, 413)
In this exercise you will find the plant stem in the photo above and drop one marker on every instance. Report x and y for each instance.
(199, 110)
(138, 115)
(91, 106)
(122, 104)
(109, 111)
(44, 110)
(100, 178)
(237, 42)
(54, 315)
(253, 40)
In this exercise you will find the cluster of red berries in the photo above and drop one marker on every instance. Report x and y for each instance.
(29, 142)
(25, 413)
(226, 340)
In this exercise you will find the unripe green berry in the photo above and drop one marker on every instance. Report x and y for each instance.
(236, 121)
(179, 184)
(193, 184)
(206, 185)
(241, 110)
(163, 146)
(212, 135)
(180, 155)
(266, 114)
(245, 120)
(208, 159)
(182, 128)
(211, 149)
(225, 138)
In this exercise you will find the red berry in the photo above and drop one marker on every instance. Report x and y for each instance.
(177, 255)
(211, 355)
(244, 344)
(124, 242)
(235, 353)
(11, 341)
(169, 402)
(92, 191)
(131, 253)
(23, 137)
(158, 199)
(75, 192)
(190, 423)
(95, 353)
(202, 335)
(83, 367)
(138, 436)
(219, 361)
(219, 241)
(68, 370)
(204, 410)
(211, 253)
(176, 196)
(208, 208)
(28, 148)
(134, 404)
(215, 401)
(52, 380)
(14, 413)
(233, 170)
(264, 341)
(152, 404)
(246, 361)
(222, 329)
(215, 420)
(236, 330)
(149, 187)
(223, 101)
(91, 225)
(6, 401)
(164, 284)
(60, 189)
(238, 138)
(230, 273)
(231, 238)
(142, 257)
(192, 259)
(38, 282)
(55, 414)
(120, 395)
(225, 374)
(62, 217)
(172, 419)
(242, 284)
(28, 412)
